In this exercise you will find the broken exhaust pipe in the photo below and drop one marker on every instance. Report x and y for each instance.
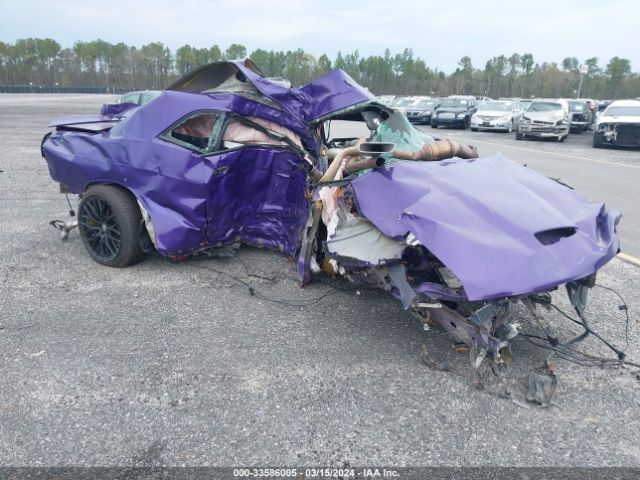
(438, 150)
(364, 155)
(370, 156)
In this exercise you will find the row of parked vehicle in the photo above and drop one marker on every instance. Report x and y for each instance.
(613, 122)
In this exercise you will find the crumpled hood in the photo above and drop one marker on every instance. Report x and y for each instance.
(480, 217)
(550, 116)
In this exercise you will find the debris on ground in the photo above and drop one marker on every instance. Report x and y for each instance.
(542, 385)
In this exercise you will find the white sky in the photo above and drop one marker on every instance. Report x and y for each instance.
(439, 32)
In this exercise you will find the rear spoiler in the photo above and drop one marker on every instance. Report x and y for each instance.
(84, 123)
(91, 127)
(81, 119)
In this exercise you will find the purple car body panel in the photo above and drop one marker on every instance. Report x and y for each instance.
(255, 195)
(115, 109)
(480, 218)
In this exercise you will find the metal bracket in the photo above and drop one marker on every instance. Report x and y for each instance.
(64, 227)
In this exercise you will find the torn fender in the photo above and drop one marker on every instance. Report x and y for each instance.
(480, 217)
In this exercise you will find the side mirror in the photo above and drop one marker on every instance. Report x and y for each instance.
(375, 149)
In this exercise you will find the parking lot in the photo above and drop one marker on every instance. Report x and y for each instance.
(180, 363)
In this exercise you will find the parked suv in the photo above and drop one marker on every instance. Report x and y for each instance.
(581, 115)
(545, 118)
(454, 111)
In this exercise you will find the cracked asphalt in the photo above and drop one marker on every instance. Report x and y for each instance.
(178, 363)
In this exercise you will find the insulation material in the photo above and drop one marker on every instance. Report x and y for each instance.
(238, 132)
(358, 238)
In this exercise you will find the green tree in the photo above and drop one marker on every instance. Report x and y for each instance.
(235, 52)
(527, 63)
(570, 64)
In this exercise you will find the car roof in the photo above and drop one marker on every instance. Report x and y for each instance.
(625, 103)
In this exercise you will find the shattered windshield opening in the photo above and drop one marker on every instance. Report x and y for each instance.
(398, 130)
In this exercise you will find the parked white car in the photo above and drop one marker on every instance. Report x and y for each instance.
(618, 125)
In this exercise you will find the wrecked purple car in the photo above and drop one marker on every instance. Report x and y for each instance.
(225, 156)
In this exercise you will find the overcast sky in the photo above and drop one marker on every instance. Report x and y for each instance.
(439, 32)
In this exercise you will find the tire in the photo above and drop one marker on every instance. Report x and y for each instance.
(474, 129)
(510, 127)
(108, 221)
(466, 124)
(596, 143)
(434, 126)
(519, 136)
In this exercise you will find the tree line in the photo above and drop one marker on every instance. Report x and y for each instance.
(101, 64)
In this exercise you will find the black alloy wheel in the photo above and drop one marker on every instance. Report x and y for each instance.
(108, 220)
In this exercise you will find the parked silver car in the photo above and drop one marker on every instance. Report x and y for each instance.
(502, 115)
(545, 118)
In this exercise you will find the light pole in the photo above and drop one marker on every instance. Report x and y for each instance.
(584, 69)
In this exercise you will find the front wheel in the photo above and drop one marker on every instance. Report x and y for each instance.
(108, 221)
(519, 136)
(596, 142)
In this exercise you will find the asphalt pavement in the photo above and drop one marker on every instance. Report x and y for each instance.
(179, 363)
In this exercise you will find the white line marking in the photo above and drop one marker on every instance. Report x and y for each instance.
(629, 259)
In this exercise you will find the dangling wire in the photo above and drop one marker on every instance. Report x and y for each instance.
(623, 306)
(72, 212)
(566, 351)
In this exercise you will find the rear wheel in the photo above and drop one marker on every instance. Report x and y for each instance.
(519, 136)
(108, 221)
